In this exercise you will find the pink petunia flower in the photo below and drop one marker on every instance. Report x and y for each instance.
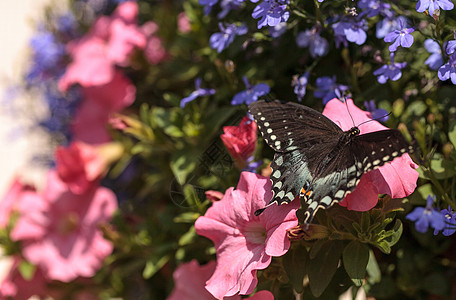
(79, 165)
(245, 243)
(99, 103)
(154, 50)
(60, 232)
(14, 286)
(183, 23)
(110, 42)
(13, 200)
(397, 179)
(240, 140)
(190, 278)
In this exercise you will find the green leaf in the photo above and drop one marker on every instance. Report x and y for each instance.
(27, 270)
(316, 248)
(183, 163)
(443, 168)
(321, 269)
(187, 237)
(294, 263)
(169, 120)
(373, 270)
(396, 233)
(452, 134)
(383, 246)
(153, 266)
(355, 258)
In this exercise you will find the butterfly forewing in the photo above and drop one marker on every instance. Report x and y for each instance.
(289, 126)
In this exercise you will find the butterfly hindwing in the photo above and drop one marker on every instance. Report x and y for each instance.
(289, 173)
(379, 147)
(331, 188)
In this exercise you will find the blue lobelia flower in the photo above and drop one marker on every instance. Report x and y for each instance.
(425, 217)
(328, 89)
(271, 12)
(278, 30)
(208, 4)
(351, 29)
(432, 5)
(448, 70)
(221, 40)
(450, 46)
(391, 71)
(199, 92)
(378, 114)
(434, 61)
(450, 219)
(400, 37)
(372, 8)
(388, 25)
(227, 6)
(300, 85)
(251, 93)
(252, 166)
(47, 53)
(311, 38)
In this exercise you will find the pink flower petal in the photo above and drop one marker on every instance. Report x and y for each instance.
(397, 178)
(244, 242)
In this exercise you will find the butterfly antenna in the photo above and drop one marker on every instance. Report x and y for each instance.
(345, 101)
(376, 119)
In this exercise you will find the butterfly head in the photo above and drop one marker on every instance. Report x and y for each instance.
(354, 131)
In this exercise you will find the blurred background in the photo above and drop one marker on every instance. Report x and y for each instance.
(17, 19)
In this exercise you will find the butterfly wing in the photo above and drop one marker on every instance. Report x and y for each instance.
(342, 174)
(293, 131)
(375, 149)
(289, 126)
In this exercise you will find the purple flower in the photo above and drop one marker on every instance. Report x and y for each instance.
(221, 40)
(47, 53)
(251, 93)
(432, 5)
(300, 85)
(227, 6)
(352, 30)
(400, 37)
(378, 114)
(391, 71)
(311, 38)
(388, 25)
(252, 166)
(278, 30)
(450, 47)
(199, 92)
(450, 219)
(271, 13)
(434, 61)
(427, 216)
(448, 70)
(328, 89)
(372, 8)
(208, 4)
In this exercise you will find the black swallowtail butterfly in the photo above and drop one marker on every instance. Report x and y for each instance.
(313, 153)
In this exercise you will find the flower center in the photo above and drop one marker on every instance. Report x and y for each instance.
(255, 233)
(68, 224)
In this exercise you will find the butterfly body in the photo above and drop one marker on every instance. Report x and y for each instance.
(311, 151)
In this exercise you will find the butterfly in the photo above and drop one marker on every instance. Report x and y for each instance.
(315, 158)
